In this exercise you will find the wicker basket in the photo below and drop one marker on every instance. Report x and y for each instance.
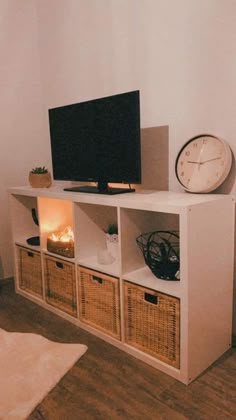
(99, 304)
(60, 284)
(30, 273)
(65, 249)
(161, 253)
(152, 323)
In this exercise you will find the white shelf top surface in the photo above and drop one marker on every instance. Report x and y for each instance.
(142, 199)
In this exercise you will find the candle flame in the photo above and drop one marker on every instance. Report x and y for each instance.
(67, 235)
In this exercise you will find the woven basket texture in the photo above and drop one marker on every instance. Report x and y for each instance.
(30, 273)
(152, 323)
(65, 249)
(99, 302)
(60, 284)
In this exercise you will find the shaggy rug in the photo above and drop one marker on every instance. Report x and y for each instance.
(30, 366)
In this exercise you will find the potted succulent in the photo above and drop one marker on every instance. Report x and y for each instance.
(112, 239)
(40, 177)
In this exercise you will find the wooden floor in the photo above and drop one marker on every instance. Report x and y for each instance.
(106, 383)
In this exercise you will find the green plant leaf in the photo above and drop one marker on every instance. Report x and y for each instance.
(39, 170)
(112, 229)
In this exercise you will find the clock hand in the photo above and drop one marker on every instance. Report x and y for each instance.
(204, 161)
(198, 163)
(193, 161)
(209, 160)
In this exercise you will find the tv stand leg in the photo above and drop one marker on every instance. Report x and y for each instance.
(102, 187)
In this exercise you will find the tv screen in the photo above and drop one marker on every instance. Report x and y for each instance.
(97, 140)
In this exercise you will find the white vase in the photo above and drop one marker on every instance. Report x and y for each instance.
(112, 242)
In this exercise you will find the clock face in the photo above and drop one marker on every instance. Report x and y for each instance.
(203, 163)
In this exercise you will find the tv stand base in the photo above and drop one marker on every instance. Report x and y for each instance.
(96, 190)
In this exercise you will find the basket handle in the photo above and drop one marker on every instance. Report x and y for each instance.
(151, 298)
(96, 279)
(59, 264)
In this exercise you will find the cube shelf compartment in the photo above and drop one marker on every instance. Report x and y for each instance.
(99, 301)
(60, 284)
(152, 323)
(30, 272)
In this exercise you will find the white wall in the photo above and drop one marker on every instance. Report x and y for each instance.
(180, 54)
(23, 141)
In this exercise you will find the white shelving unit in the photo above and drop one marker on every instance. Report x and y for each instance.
(205, 289)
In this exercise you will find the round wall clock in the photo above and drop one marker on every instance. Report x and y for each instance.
(203, 163)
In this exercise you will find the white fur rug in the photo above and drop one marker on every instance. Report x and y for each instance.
(30, 366)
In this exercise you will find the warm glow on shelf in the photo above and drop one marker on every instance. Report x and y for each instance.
(62, 242)
(67, 235)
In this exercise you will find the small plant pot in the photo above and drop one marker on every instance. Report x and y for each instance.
(112, 241)
(40, 180)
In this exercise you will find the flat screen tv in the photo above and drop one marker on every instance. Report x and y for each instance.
(99, 141)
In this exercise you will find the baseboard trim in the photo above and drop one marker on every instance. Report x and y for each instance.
(6, 280)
